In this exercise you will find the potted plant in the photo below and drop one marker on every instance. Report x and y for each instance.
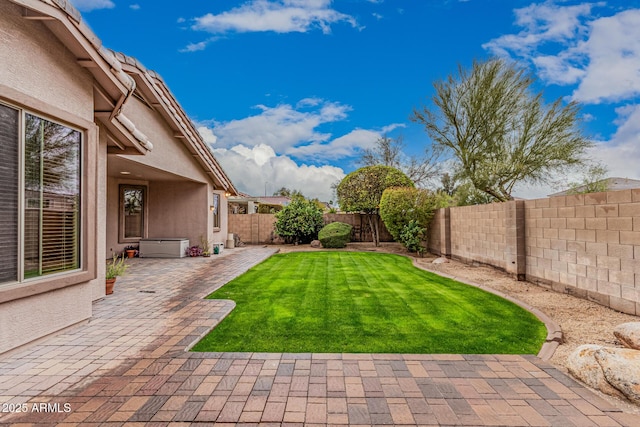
(194, 251)
(115, 268)
(206, 248)
(131, 251)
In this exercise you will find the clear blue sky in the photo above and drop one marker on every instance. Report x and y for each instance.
(288, 92)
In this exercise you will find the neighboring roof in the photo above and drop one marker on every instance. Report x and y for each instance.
(118, 76)
(267, 200)
(612, 184)
(275, 200)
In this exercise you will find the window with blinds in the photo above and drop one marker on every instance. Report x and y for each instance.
(40, 207)
(52, 197)
(9, 170)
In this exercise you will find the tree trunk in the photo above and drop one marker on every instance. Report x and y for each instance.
(374, 229)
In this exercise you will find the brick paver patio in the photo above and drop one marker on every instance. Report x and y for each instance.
(128, 366)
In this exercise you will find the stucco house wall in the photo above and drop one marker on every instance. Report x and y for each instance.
(60, 72)
(55, 78)
(44, 78)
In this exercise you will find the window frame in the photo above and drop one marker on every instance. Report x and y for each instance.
(215, 210)
(88, 160)
(145, 212)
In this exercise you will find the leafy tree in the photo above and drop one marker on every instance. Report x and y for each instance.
(449, 184)
(401, 205)
(466, 195)
(389, 152)
(287, 192)
(593, 181)
(499, 131)
(361, 190)
(299, 221)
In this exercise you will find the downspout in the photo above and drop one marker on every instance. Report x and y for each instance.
(130, 85)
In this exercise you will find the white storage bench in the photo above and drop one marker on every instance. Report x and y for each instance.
(166, 247)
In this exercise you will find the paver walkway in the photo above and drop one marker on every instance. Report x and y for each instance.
(128, 366)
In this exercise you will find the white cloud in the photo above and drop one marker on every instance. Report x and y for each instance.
(134, 7)
(280, 16)
(207, 135)
(89, 5)
(621, 154)
(542, 23)
(283, 126)
(613, 49)
(258, 169)
(296, 131)
(601, 55)
(344, 146)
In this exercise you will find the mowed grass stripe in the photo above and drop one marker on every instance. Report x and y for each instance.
(359, 302)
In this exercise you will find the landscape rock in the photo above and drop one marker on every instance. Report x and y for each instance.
(316, 244)
(621, 368)
(583, 365)
(628, 334)
(441, 260)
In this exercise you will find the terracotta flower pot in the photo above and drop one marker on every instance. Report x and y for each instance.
(130, 253)
(109, 285)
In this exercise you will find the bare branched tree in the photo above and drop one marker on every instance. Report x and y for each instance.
(390, 152)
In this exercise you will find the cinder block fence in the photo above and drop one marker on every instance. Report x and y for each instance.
(586, 245)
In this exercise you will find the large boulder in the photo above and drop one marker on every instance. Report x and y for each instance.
(583, 365)
(621, 368)
(628, 334)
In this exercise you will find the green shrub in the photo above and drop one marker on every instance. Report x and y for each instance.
(411, 236)
(400, 205)
(335, 235)
(299, 221)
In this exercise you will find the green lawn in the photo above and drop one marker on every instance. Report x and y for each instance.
(359, 302)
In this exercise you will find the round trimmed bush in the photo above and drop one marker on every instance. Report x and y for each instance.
(335, 235)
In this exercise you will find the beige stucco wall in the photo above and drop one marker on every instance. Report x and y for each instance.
(178, 203)
(43, 77)
(178, 209)
(28, 319)
(40, 66)
(169, 153)
(97, 286)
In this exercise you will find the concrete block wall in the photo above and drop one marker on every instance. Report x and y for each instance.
(478, 234)
(260, 228)
(586, 245)
(253, 228)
